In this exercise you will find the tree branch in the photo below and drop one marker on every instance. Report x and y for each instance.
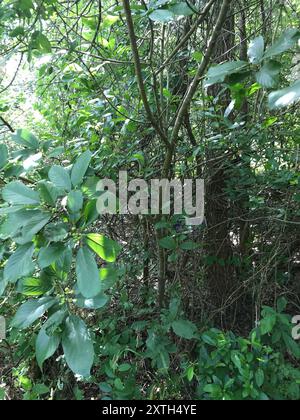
(201, 70)
(139, 75)
(188, 35)
(7, 125)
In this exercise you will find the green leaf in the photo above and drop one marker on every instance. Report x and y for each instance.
(80, 167)
(47, 344)
(19, 264)
(75, 201)
(209, 339)
(162, 15)
(25, 138)
(60, 177)
(184, 329)
(3, 283)
(282, 304)
(189, 246)
(108, 277)
(48, 193)
(87, 274)
(190, 373)
(23, 225)
(106, 248)
(78, 346)
(292, 345)
(168, 243)
(3, 155)
(18, 193)
(19, 31)
(56, 232)
(96, 302)
(256, 50)
(267, 324)
(44, 43)
(50, 254)
(285, 97)
(32, 227)
(105, 387)
(181, 9)
(32, 286)
(260, 377)
(217, 74)
(287, 41)
(268, 76)
(30, 311)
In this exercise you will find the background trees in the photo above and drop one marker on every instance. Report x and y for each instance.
(161, 89)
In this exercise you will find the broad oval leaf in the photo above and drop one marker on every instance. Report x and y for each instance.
(75, 201)
(78, 346)
(96, 302)
(106, 248)
(184, 329)
(217, 74)
(287, 41)
(24, 138)
(285, 97)
(33, 286)
(50, 254)
(19, 264)
(30, 311)
(162, 15)
(268, 76)
(60, 177)
(256, 50)
(17, 193)
(48, 192)
(87, 274)
(80, 167)
(48, 339)
(45, 346)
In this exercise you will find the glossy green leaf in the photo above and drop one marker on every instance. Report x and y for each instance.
(30, 311)
(50, 254)
(96, 302)
(87, 274)
(75, 201)
(162, 16)
(80, 167)
(78, 346)
(34, 286)
(106, 248)
(285, 97)
(286, 41)
(48, 193)
(217, 74)
(60, 177)
(256, 50)
(268, 76)
(20, 264)
(48, 338)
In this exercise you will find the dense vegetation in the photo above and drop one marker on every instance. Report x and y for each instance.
(144, 306)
